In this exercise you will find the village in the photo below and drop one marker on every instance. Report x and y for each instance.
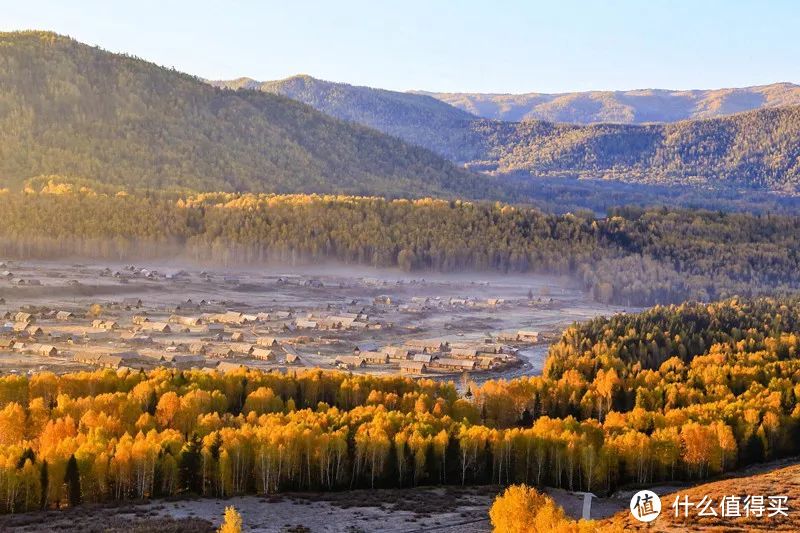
(128, 318)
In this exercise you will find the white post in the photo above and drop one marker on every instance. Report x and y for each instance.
(587, 505)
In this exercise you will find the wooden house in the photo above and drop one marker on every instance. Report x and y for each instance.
(427, 345)
(264, 354)
(45, 350)
(268, 342)
(186, 320)
(24, 317)
(156, 327)
(423, 357)
(350, 361)
(32, 330)
(464, 353)
(225, 366)
(449, 363)
(374, 358)
(220, 351)
(241, 347)
(398, 352)
(527, 336)
(413, 367)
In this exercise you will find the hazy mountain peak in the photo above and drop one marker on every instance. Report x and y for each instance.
(624, 107)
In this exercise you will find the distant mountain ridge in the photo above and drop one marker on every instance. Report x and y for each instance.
(73, 110)
(420, 119)
(755, 149)
(622, 107)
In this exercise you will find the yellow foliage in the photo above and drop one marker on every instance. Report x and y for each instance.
(232, 522)
(522, 509)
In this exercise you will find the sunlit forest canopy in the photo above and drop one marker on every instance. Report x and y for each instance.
(71, 109)
(675, 393)
(756, 149)
(634, 256)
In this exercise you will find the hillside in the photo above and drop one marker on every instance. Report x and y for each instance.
(781, 481)
(755, 149)
(623, 107)
(70, 109)
(420, 119)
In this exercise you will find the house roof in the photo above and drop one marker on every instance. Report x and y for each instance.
(458, 363)
(416, 366)
(351, 360)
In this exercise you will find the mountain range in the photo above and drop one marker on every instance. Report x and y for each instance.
(756, 149)
(80, 112)
(622, 107)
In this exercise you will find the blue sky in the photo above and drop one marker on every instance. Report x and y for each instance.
(491, 46)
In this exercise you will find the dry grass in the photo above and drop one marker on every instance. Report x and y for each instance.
(779, 482)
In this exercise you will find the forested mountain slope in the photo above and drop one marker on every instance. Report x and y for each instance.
(70, 109)
(77, 111)
(420, 119)
(624, 107)
(757, 149)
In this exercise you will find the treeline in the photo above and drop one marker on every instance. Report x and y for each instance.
(675, 393)
(633, 257)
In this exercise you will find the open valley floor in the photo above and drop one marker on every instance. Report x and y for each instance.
(66, 317)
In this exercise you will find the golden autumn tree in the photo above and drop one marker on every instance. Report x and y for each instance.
(232, 523)
(522, 509)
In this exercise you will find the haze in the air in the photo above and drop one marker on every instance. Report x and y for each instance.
(508, 47)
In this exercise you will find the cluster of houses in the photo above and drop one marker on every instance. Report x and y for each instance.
(340, 320)
(423, 303)
(127, 334)
(422, 356)
(138, 340)
(287, 320)
(12, 279)
(20, 333)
